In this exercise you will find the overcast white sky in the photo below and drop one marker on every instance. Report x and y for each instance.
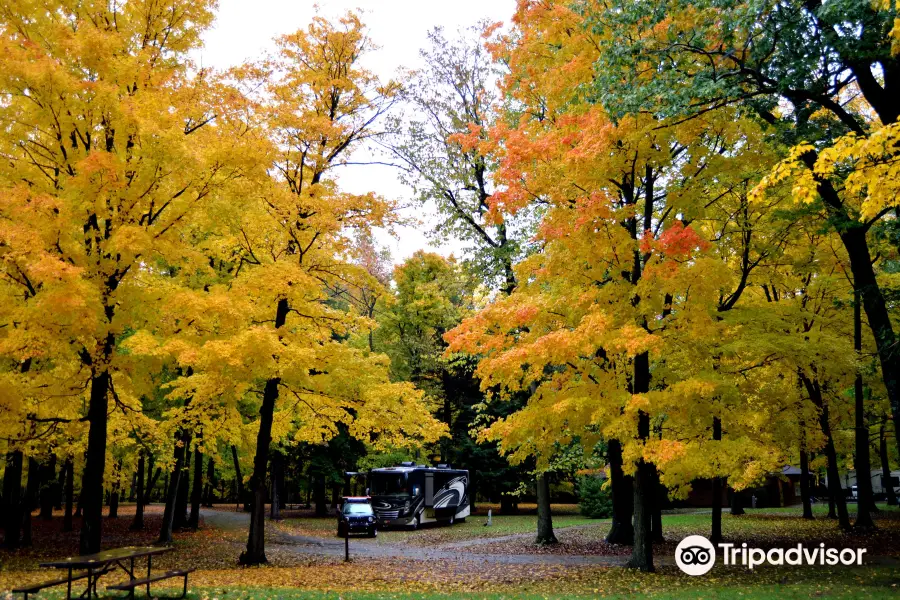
(244, 29)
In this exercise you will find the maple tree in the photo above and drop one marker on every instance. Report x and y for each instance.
(818, 59)
(108, 146)
(286, 250)
(125, 208)
(655, 236)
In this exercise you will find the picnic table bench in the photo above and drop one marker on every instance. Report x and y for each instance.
(93, 566)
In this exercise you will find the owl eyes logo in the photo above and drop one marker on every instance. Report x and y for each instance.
(695, 555)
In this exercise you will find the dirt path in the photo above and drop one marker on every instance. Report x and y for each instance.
(457, 551)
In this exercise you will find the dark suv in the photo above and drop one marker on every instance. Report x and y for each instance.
(356, 516)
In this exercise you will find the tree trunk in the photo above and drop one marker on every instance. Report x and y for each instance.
(716, 530)
(545, 533)
(659, 492)
(32, 485)
(805, 487)
(274, 467)
(152, 478)
(737, 502)
(320, 494)
(834, 483)
(642, 551)
(150, 488)
(184, 488)
(114, 502)
(197, 490)
(861, 460)
(12, 500)
(238, 478)
(49, 489)
(255, 553)
(877, 314)
(116, 493)
(853, 235)
(182, 440)
(69, 491)
(91, 499)
(60, 486)
(622, 530)
(60, 497)
(886, 468)
(208, 497)
(256, 539)
(138, 523)
(70, 494)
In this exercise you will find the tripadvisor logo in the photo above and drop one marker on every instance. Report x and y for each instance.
(695, 555)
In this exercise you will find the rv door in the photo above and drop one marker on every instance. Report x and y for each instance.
(429, 489)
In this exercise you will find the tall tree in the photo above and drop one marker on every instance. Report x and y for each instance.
(103, 158)
(453, 101)
(795, 65)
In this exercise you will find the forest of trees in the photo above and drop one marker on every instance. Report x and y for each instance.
(681, 233)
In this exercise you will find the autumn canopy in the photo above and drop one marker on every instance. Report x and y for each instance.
(681, 256)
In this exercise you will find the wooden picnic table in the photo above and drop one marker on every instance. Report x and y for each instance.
(103, 562)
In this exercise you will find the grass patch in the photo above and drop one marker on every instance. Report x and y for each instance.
(432, 533)
(785, 526)
(474, 528)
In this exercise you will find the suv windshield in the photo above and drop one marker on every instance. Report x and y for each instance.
(358, 508)
(387, 484)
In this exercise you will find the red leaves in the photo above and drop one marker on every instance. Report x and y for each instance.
(677, 242)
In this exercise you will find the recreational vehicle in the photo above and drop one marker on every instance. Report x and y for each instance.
(410, 494)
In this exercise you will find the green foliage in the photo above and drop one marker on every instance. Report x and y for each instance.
(595, 501)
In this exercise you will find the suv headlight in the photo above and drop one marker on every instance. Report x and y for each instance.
(371, 519)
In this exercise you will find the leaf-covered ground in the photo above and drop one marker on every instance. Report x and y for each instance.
(378, 579)
(295, 575)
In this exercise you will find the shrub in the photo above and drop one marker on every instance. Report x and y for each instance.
(595, 502)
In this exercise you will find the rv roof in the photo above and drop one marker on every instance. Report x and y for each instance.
(405, 469)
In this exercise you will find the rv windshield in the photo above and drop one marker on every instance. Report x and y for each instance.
(388, 484)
